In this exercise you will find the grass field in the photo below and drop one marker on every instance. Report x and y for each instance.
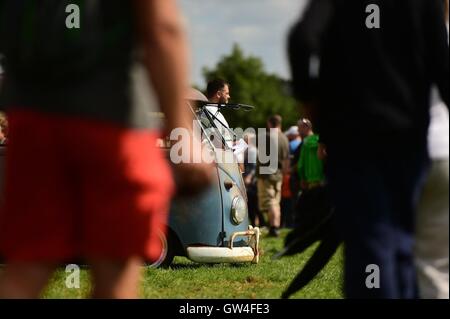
(187, 280)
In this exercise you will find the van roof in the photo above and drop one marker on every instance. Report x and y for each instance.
(195, 95)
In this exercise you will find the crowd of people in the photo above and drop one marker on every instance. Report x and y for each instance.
(273, 199)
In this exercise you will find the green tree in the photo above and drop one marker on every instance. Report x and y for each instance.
(251, 84)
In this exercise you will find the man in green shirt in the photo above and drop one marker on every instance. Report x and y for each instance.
(310, 167)
(310, 171)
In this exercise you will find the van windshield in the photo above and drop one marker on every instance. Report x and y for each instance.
(215, 128)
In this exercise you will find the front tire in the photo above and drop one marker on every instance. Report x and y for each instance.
(167, 252)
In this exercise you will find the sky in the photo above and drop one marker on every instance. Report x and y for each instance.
(260, 27)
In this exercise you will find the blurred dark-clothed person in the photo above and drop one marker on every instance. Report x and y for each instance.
(368, 89)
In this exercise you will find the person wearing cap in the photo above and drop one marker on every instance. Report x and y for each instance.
(294, 138)
(304, 129)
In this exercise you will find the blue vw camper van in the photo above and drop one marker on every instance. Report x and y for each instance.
(212, 227)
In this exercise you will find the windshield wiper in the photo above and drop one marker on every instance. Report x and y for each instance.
(213, 118)
(231, 106)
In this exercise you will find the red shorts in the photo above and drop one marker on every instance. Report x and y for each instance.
(77, 188)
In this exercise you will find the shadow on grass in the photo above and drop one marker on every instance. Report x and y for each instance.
(185, 266)
(198, 266)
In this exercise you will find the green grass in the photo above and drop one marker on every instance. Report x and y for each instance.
(188, 280)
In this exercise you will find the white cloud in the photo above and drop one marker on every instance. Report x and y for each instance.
(246, 33)
(258, 26)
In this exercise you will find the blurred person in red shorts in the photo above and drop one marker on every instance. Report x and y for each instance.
(83, 175)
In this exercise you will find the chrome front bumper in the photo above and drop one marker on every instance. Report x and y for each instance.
(230, 254)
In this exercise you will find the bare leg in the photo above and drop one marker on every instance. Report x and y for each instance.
(274, 216)
(24, 281)
(257, 222)
(116, 279)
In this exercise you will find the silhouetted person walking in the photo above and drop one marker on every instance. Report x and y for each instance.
(366, 82)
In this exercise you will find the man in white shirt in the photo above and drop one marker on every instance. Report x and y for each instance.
(218, 91)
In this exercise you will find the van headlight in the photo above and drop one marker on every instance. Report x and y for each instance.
(238, 210)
